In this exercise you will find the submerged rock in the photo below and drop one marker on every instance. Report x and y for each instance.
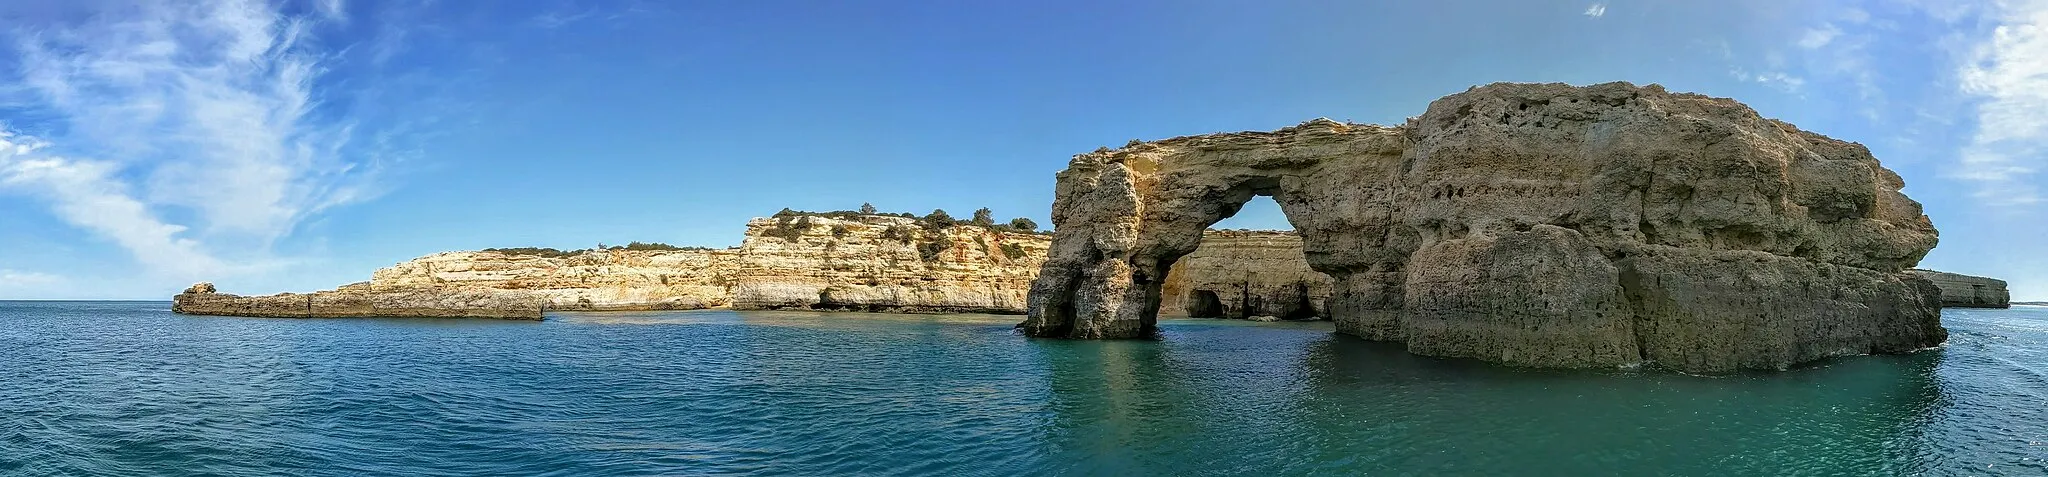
(1528, 224)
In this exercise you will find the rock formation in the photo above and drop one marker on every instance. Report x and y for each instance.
(1964, 291)
(1243, 274)
(868, 263)
(1529, 224)
(598, 280)
(883, 263)
(358, 300)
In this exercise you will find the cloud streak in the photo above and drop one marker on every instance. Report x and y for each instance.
(179, 132)
(1596, 10)
(2008, 75)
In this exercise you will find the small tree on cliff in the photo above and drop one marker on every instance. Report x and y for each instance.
(1024, 224)
(938, 219)
(867, 209)
(984, 217)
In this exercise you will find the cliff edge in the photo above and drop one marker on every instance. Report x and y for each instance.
(1530, 224)
(1965, 291)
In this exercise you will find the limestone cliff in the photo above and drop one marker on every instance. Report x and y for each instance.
(869, 263)
(883, 263)
(1245, 273)
(357, 300)
(1964, 291)
(595, 280)
(1529, 224)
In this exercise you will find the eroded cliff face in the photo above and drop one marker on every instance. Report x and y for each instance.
(598, 280)
(1244, 274)
(357, 300)
(1530, 224)
(1966, 291)
(882, 263)
(868, 263)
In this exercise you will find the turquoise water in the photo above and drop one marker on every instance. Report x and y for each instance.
(97, 388)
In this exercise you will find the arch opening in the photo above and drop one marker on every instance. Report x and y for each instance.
(1247, 263)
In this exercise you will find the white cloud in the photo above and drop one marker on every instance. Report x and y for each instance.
(198, 122)
(1819, 37)
(553, 20)
(1775, 79)
(87, 194)
(2008, 74)
(21, 279)
(332, 10)
(1596, 10)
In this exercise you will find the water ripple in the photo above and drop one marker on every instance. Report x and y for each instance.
(92, 388)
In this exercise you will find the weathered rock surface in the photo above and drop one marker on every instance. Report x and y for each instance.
(599, 280)
(870, 263)
(1528, 224)
(882, 263)
(1245, 273)
(1965, 291)
(358, 300)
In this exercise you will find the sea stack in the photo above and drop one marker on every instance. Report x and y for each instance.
(1529, 224)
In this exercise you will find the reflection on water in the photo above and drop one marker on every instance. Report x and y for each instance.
(122, 389)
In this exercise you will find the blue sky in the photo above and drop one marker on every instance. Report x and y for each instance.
(297, 146)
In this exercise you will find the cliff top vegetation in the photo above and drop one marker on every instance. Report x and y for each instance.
(937, 219)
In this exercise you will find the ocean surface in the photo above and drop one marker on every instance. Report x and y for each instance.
(127, 388)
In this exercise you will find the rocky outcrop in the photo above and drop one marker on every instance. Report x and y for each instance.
(883, 263)
(1244, 274)
(359, 300)
(1528, 224)
(1965, 291)
(866, 263)
(595, 280)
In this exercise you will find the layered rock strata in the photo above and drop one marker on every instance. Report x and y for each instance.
(1529, 224)
(867, 263)
(1243, 274)
(1965, 291)
(882, 263)
(358, 300)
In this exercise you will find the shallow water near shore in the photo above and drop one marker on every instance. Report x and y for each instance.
(127, 388)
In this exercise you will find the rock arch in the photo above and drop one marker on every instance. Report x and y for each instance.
(1528, 224)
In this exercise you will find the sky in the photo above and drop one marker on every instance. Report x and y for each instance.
(294, 146)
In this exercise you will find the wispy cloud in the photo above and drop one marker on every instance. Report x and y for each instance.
(89, 195)
(2008, 74)
(21, 279)
(169, 128)
(553, 20)
(1819, 37)
(1596, 10)
(1775, 79)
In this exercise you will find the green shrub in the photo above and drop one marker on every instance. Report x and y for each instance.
(900, 233)
(654, 246)
(930, 251)
(543, 252)
(1014, 251)
(786, 229)
(1024, 224)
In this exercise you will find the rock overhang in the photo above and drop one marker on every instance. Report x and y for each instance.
(1596, 182)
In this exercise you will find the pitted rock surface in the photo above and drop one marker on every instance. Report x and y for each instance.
(1529, 224)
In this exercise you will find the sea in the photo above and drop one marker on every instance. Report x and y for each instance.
(130, 389)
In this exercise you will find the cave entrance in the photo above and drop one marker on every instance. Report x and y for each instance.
(1204, 304)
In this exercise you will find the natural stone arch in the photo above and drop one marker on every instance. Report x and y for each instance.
(1542, 225)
